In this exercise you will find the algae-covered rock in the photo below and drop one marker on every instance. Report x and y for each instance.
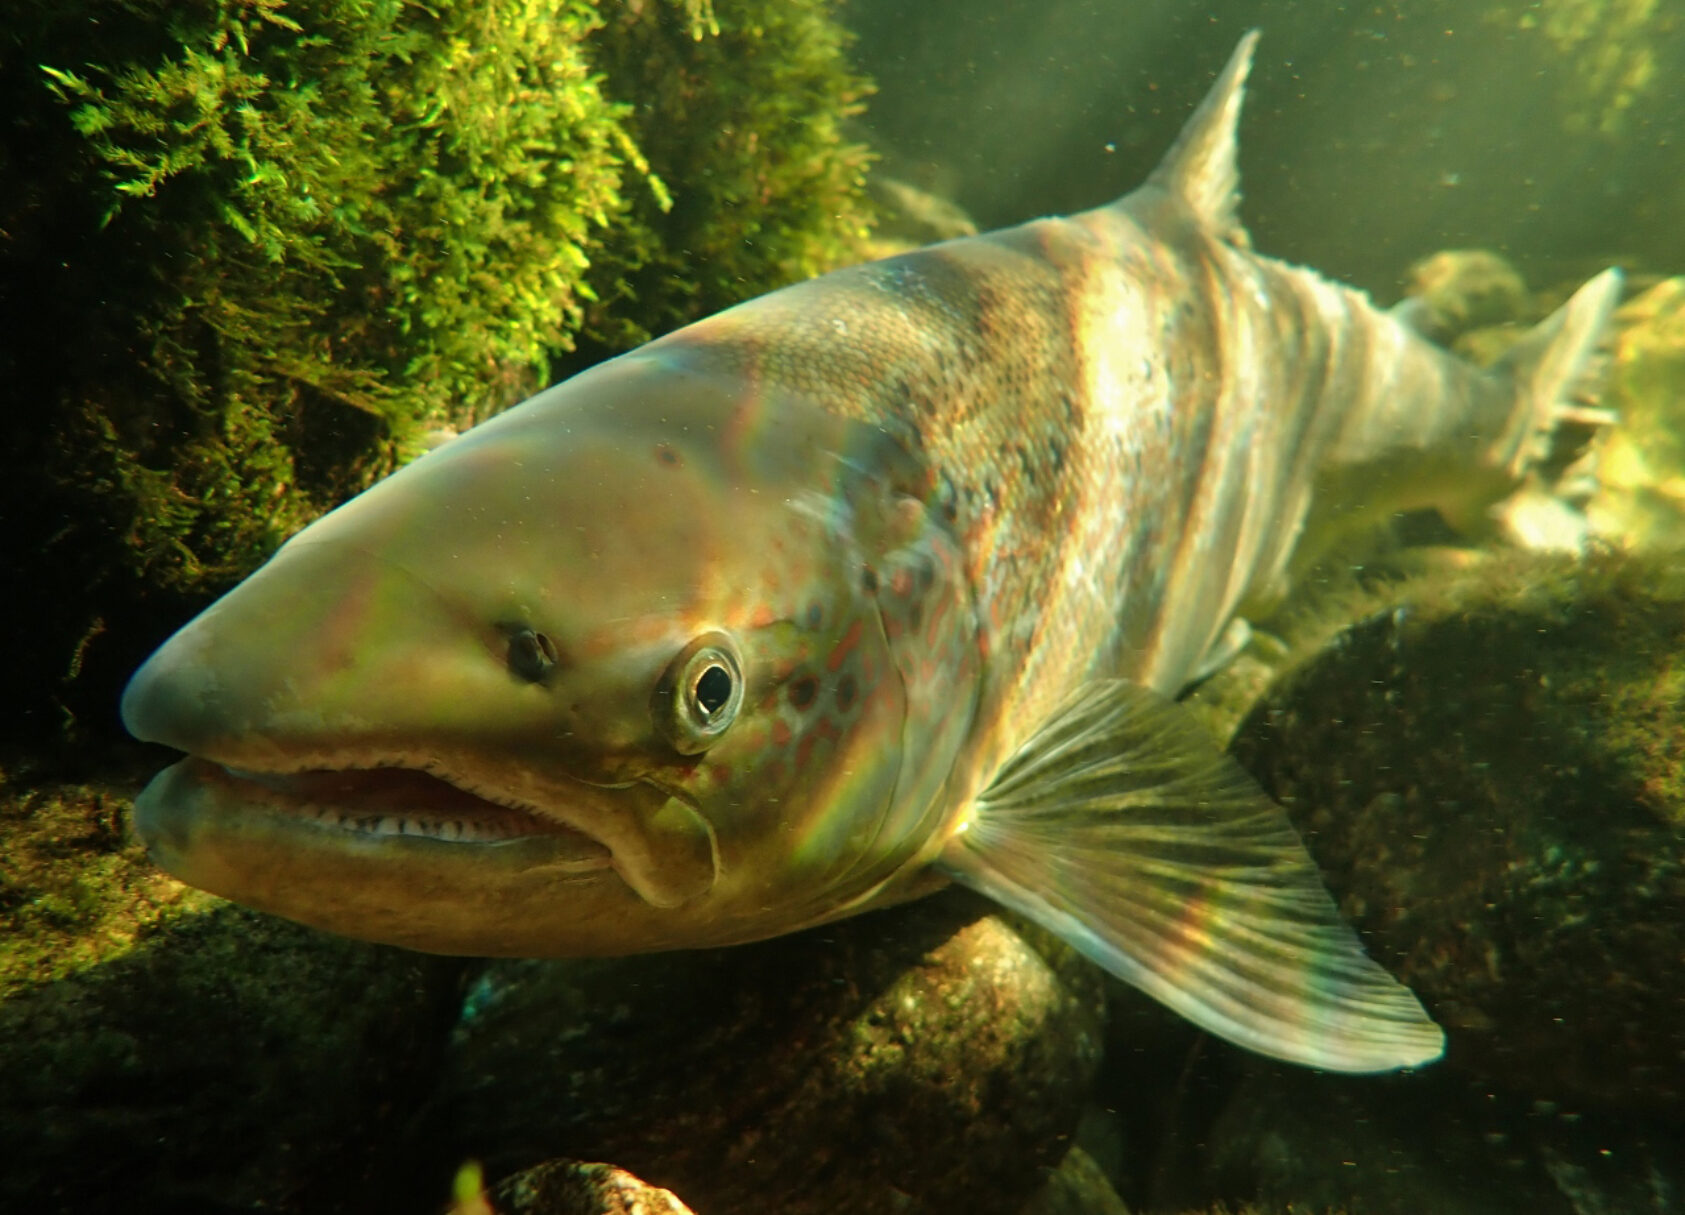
(569, 1187)
(925, 1059)
(1640, 461)
(1491, 779)
(1456, 290)
(161, 1050)
(740, 109)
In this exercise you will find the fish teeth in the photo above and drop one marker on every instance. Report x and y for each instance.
(450, 830)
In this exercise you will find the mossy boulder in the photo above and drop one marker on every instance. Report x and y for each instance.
(1491, 777)
(1294, 1141)
(161, 1050)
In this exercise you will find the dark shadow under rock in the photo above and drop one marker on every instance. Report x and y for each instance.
(1434, 1141)
(231, 1061)
(924, 1059)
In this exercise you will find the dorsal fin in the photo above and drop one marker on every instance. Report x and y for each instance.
(1201, 167)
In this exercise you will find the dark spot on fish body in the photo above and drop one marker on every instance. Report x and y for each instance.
(668, 456)
(803, 692)
(924, 573)
(869, 580)
(847, 691)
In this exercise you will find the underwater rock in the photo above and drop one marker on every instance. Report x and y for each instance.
(568, 1187)
(1456, 290)
(188, 1055)
(922, 1059)
(1491, 777)
(1640, 461)
(1079, 1186)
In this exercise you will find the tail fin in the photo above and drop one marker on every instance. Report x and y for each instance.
(1552, 367)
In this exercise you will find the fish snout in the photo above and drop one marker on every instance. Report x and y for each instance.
(309, 652)
(173, 698)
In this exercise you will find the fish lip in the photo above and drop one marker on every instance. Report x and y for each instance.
(348, 797)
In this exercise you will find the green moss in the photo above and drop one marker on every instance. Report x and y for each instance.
(746, 127)
(361, 207)
(74, 891)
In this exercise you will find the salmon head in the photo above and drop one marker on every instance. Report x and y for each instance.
(657, 659)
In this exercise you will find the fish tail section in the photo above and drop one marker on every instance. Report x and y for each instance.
(1122, 828)
(1555, 370)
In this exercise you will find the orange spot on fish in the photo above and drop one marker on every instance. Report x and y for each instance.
(840, 653)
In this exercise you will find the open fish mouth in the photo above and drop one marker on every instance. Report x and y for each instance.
(386, 800)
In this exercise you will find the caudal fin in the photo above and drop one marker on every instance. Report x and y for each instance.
(1554, 367)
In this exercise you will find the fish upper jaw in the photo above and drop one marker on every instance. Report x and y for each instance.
(657, 843)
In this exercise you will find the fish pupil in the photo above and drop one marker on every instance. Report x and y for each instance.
(713, 690)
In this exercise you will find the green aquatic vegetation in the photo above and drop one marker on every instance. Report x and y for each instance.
(1611, 45)
(361, 207)
(74, 890)
(255, 253)
(746, 125)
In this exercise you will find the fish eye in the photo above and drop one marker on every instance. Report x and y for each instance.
(698, 695)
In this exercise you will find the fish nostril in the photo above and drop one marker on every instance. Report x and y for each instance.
(532, 655)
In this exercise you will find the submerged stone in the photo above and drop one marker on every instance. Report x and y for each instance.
(165, 1051)
(1640, 461)
(569, 1187)
(924, 1059)
(1492, 777)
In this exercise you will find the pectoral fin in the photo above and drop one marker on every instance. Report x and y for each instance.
(1120, 826)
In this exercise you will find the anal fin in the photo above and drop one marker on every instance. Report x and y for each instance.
(1122, 828)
